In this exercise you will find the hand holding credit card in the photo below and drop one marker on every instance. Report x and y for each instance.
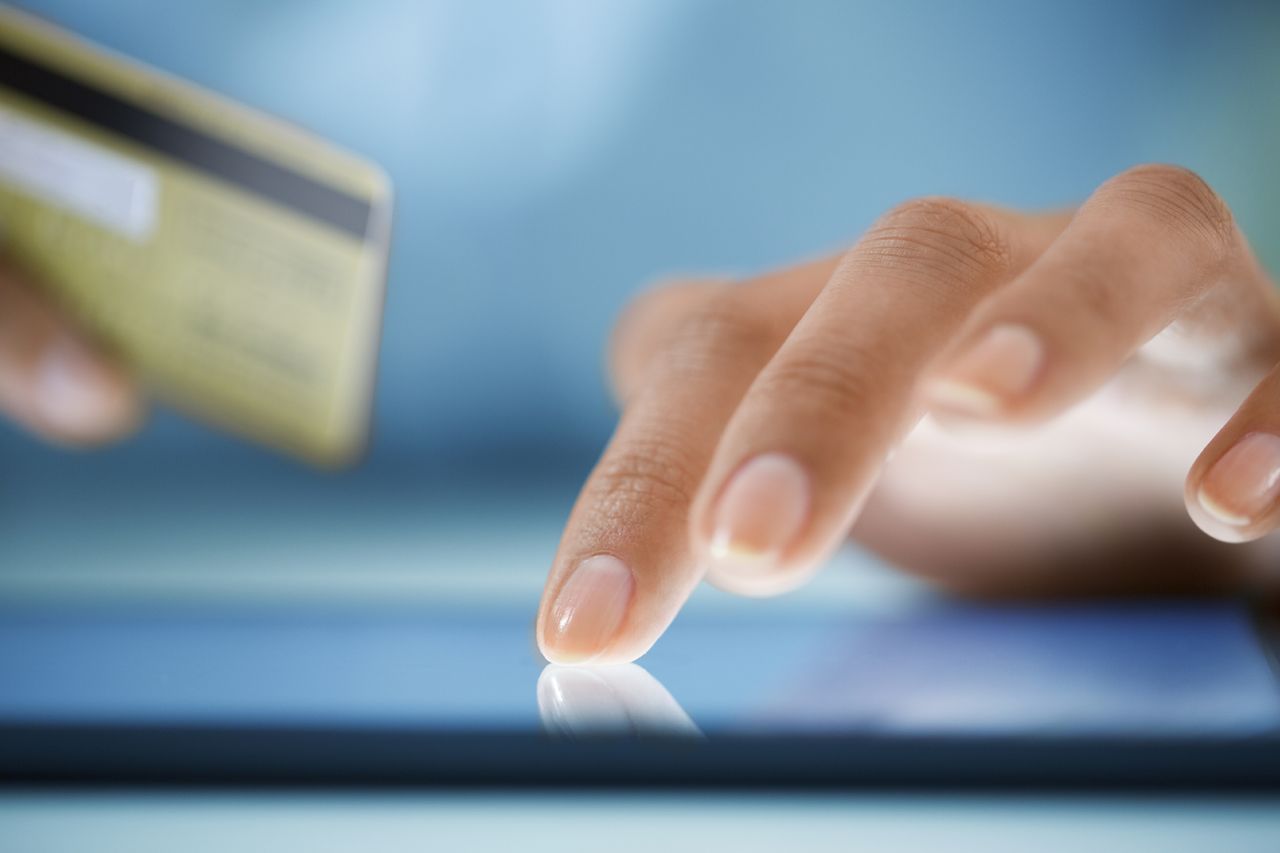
(235, 263)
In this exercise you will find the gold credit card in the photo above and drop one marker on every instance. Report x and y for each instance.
(236, 262)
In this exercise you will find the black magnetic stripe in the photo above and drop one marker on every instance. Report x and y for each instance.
(185, 144)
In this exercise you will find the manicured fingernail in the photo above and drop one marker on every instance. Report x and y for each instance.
(1244, 484)
(589, 609)
(1001, 366)
(74, 393)
(759, 514)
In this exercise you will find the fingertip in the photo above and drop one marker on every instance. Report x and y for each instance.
(1223, 527)
(583, 621)
(1235, 500)
(762, 582)
(985, 381)
(753, 525)
(962, 399)
(1216, 521)
(612, 655)
(82, 397)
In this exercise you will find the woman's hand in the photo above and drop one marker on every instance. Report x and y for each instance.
(52, 380)
(1071, 366)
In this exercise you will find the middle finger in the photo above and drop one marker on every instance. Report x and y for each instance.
(802, 449)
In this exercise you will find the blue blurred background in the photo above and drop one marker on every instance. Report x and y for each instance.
(552, 156)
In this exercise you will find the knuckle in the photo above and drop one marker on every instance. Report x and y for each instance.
(643, 477)
(636, 335)
(648, 324)
(636, 313)
(1176, 197)
(825, 385)
(936, 236)
(656, 302)
(722, 328)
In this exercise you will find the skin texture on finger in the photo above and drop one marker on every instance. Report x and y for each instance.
(625, 566)
(52, 380)
(802, 450)
(649, 323)
(1233, 489)
(1152, 246)
(646, 325)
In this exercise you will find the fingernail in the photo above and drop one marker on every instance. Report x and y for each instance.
(759, 514)
(1243, 485)
(1000, 367)
(73, 391)
(589, 609)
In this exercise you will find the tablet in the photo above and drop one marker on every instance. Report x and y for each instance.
(929, 693)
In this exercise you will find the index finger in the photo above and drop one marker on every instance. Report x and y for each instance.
(625, 565)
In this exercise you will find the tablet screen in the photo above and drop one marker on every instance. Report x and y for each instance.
(935, 667)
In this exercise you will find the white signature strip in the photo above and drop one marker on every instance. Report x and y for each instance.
(78, 176)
